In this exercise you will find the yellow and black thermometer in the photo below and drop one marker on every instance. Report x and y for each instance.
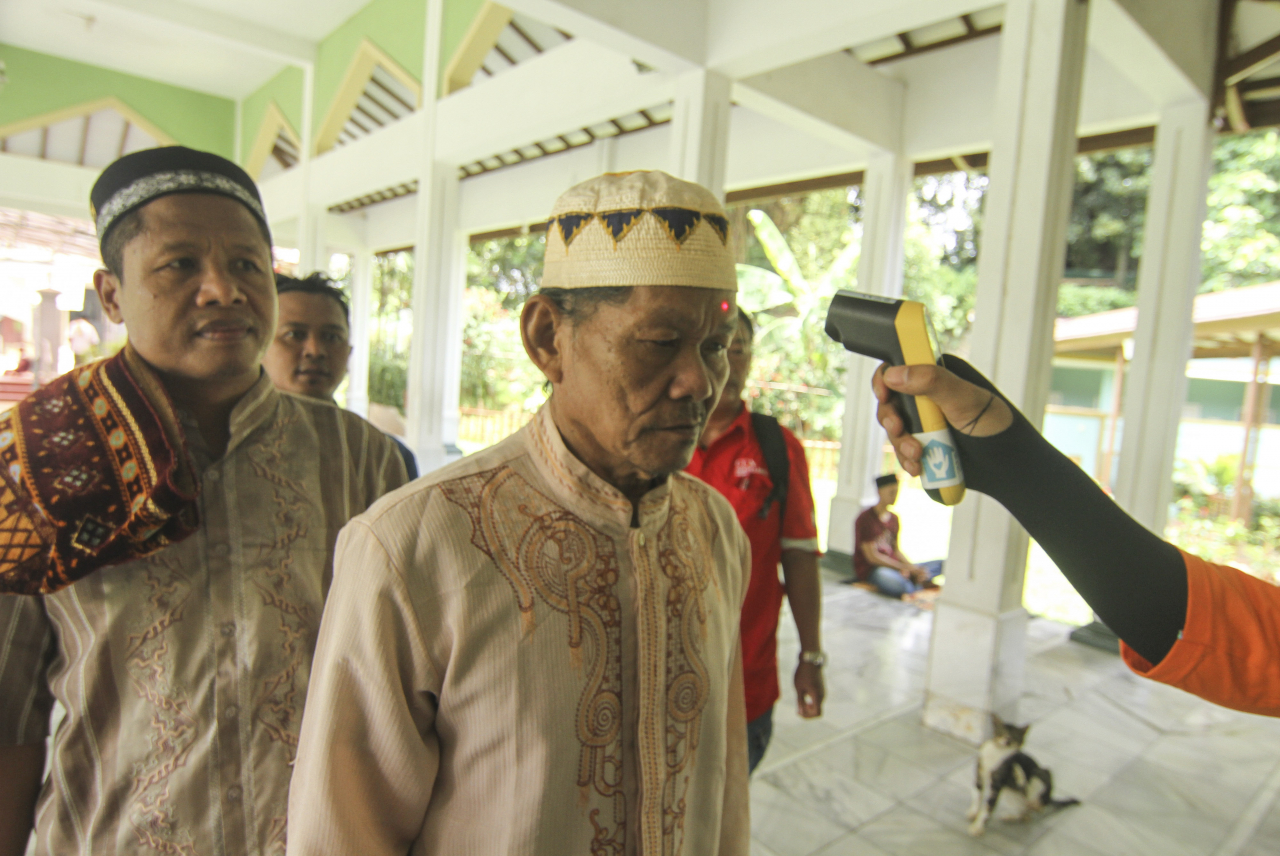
(898, 333)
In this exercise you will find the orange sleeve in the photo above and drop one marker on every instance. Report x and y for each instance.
(1229, 650)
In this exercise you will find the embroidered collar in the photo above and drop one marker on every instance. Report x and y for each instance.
(597, 501)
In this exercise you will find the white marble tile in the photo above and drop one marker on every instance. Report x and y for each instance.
(787, 826)
(907, 738)
(906, 832)
(1161, 772)
(1116, 835)
(851, 845)
(1213, 757)
(834, 793)
(947, 803)
(759, 849)
(1053, 844)
(876, 768)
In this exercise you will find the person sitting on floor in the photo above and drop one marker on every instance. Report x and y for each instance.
(876, 557)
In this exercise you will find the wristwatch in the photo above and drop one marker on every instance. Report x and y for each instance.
(814, 658)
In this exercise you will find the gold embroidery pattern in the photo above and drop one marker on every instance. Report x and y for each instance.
(278, 709)
(174, 725)
(549, 554)
(685, 561)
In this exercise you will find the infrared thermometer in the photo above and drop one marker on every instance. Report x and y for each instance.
(898, 332)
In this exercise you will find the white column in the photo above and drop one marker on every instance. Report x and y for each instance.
(361, 313)
(885, 185)
(435, 354)
(1168, 277)
(700, 129)
(50, 335)
(311, 242)
(979, 647)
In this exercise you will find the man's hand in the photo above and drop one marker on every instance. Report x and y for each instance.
(810, 690)
(967, 407)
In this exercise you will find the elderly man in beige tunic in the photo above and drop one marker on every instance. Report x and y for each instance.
(534, 650)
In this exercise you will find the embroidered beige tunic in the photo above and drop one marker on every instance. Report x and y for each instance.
(183, 674)
(507, 666)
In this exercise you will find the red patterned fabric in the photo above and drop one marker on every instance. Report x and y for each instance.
(93, 472)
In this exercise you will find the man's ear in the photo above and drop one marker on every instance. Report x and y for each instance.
(107, 285)
(540, 324)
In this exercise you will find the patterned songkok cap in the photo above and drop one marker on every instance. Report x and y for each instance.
(140, 177)
(638, 228)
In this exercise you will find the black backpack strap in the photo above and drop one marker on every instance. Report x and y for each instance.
(776, 460)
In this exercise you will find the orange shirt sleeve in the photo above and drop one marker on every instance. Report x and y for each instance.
(1229, 650)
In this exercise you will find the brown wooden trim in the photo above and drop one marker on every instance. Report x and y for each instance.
(792, 188)
(409, 248)
(1251, 61)
(407, 106)
(531, 229)
(1263, 114)
(1260, 90)
(1129, 139)
(502, 53)
(537, 48)
(1226, 21)
(945, 43)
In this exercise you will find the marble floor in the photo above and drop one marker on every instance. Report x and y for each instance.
(1157, 771)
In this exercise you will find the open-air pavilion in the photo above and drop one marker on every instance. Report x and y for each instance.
(383, 124)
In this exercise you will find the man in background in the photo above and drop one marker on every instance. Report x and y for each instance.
(876, 557)
(308, 355)
(761, 469)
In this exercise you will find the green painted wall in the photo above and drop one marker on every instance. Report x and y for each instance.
(286, 90)
(458, 15)
(395, 26)
(39, 83)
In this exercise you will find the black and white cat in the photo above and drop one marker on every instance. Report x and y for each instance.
(1003, 766)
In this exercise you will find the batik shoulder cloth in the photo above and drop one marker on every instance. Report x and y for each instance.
(94, 471)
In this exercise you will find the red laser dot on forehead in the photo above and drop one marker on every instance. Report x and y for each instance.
(724, 306)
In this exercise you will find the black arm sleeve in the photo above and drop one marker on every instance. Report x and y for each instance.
(1135, 581)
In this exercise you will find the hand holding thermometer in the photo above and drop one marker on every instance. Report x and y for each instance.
(898, 333)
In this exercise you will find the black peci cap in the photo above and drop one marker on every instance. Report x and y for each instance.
(138, 178)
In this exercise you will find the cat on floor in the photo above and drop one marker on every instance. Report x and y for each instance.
(1003, 766)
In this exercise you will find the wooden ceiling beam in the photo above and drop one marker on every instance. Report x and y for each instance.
(1251, 61)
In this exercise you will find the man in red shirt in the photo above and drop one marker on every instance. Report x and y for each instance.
(876, 557)
(730, 458)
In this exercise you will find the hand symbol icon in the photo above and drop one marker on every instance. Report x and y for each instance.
(936, 458)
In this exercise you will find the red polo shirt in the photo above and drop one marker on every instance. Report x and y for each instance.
(735, 466)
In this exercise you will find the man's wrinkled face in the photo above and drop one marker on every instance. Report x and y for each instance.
(641, 377)
(308, 355)
(196, 291)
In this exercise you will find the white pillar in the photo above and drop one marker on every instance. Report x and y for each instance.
(435, 354)
(1168, 278)
(700, 129)
(979, 647)
(311, 243)
(361, 313)
(885, 185)
(50, 330)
